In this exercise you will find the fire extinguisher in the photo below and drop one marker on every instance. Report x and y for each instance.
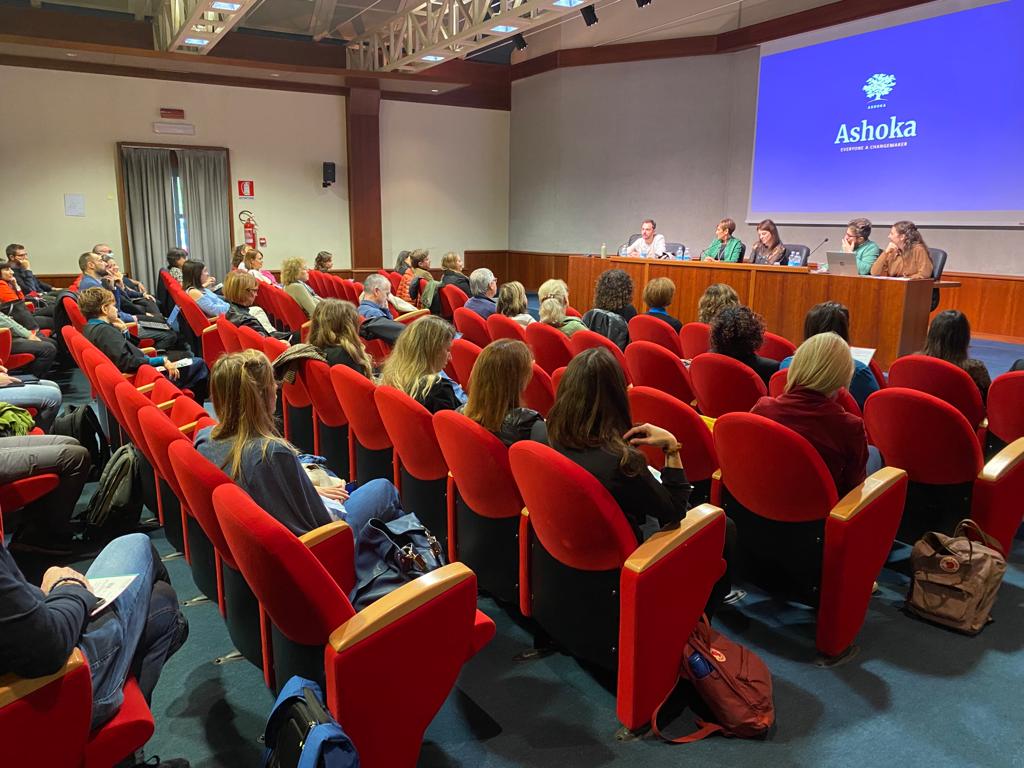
(249, 227)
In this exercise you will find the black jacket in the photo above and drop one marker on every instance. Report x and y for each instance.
(441, 397)
(459, 280)
(609, 324)
(29, 282)
(239, 316)
(111, 342)
(339, 356)
(676, 325)
(762, 366)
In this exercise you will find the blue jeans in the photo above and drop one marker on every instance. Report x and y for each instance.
(136, 632)
(377, 498)
(45, 397)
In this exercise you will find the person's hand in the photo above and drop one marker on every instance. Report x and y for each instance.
(847, 245)
(148, 296)
(648, 434)
(172, 370)
(3, 369)
(119, 324)
(34, 336)
(211, 280)
(5, 380)
(56, 573)
(338, 493)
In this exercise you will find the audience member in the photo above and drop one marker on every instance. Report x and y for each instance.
(403, 264)
(45, 527)
(613, 308)
(107, 333)
(500, 376)
(246, 445)
(724, 247)
(324, 261)
(197, 282)
(23, 270)
(106, 253)
(512, 303)
(295, 278)
(769, 248)
(12, 301)
(176, 258)
(253, 262)
(738, 332)
(949, 339)
(906, 256)
(141, 303)
(856, 242)
(416, 365)
(483, 286)
(554, 301)
(374, 301)
(239, 254)
(658, 294)
(716, 297)
(833, 317)
(408, 287)
(24, 341)
(821, 366)
(135, 635)
(240, 289)
(334, 330)
(45, 396)
(452, 267)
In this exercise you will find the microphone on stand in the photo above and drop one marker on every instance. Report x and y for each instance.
(817, 247)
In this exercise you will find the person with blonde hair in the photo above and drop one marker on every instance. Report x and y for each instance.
(500, 376)
(658, 294)
(512, 303)
(821, 367)
(295, 278)
(246, 445)
(452, 266)
(716, 297)
(416, 365)
(334, 330)
(554, 301)
(240, 289)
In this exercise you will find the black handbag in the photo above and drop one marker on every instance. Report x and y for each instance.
(390, 554)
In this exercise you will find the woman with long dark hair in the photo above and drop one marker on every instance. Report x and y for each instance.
(949, 339)
(500, 376)
(769, 248)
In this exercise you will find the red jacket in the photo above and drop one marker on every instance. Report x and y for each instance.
(9, 293)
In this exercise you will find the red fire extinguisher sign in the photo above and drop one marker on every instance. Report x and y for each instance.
(246, 188)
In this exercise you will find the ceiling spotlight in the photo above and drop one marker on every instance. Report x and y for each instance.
(590, 15)
(519, 41)
(642, 3)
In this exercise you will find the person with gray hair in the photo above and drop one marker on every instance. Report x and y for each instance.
(374, 301)
(483, 285)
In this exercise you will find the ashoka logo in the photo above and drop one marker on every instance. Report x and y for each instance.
(877, 87)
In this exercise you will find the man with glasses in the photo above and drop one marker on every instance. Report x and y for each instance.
(484, 286)
(856, 242)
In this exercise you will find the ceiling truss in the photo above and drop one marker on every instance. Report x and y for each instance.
(196, 26)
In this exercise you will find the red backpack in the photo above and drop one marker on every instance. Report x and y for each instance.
(732, 680)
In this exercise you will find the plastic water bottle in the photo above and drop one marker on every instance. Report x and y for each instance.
(699, 666)
(679, 253)
(794, 258)
(623, 251)
(604, 250)
(686, 254)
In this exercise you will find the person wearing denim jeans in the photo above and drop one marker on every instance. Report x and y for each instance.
(44, 396)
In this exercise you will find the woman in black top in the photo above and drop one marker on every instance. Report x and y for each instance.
(452, 275)
(334, 330)
(614, 293)
(738, 332)
(658, 294)
(416, 365)
(496, 387)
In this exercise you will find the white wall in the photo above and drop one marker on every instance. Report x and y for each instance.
(596, 149)
(444, 179)
(60, 131)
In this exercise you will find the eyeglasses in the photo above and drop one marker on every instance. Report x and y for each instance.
(252, 290)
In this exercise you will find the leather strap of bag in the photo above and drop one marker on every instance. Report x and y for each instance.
(704, 729)
(988, 541)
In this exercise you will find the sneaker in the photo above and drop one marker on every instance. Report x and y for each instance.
(734, 597)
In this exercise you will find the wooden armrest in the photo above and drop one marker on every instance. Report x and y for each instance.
(132, 328)
(408, 317)
(1003, 462)
(323, 533)
(146, 387)
(13, 687)
(211, 327)
(149, 351)
(165, 405)
(866, 493)
(306, 324)
(525, 513)
(717, 475)
(663, 542)
(393, 606)
(188, 427)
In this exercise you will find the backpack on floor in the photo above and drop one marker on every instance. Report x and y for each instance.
(732, 681)
(301, 733)
(116, 505)
(80, 422)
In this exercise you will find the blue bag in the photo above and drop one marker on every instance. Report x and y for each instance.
(390, 554)
(301, 733)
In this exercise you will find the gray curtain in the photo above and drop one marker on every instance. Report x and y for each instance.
(204, 181)
(148, 185)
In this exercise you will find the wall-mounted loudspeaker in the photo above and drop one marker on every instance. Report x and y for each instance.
(330, 174)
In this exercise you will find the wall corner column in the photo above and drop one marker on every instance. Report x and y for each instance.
(362, 115)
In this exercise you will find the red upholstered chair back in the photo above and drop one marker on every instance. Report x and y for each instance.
(550, 346)
(575, 518)
(160, 433)
(502, 327)
(198, 478)
(228, 335)
(452, 298)
(74, 313)
(250, 339)
(539, 394)
(876, 371)
(355, 393)
(357, 289)
(695, 338)
(556, 377)
(771, 470)
(472, 327)
(656, 331)
(777, 385)
(265, 299)
(396, 280)
(130, 401)
(944, 380)
(723, 385)
(1006, 406)
(585, 339)
(697, 446)
(316, 377)
(411, 429)
(105, 378)
(479, 463)
(464, 355)
(291, 313)
(572, 312)
(300, 596)
(776, 347)
(923, 435)
(651, 365)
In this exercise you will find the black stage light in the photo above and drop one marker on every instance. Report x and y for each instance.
(589, 15)
(520, 42)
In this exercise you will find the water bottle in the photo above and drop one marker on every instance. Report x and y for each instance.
(679, 253)
(699, 666)
(686, 254)
(794, 258)
(604, 250)
(623, 251)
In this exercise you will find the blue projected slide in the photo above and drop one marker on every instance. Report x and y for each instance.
(924, 120)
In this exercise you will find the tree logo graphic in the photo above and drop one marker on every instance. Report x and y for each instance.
(879, 86)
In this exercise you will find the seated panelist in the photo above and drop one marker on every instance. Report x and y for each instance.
(648, 245)
(724, 247)
(906, 256)
(769, 248)
(856, 242)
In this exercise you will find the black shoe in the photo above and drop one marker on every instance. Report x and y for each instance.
(156, 762)
(58, 548)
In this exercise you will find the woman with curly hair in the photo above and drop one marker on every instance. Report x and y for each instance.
(613, 307)
(717, 297)
(738, 332)
(906, 256)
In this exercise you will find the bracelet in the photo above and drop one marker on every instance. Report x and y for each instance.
(673, 452)
(70, 579)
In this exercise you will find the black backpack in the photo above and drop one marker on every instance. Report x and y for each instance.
(116, 505)
(80, 422)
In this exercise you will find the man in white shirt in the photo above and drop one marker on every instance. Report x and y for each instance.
(648, 245)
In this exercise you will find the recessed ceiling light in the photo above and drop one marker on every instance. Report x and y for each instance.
(72, 55)
(432, 57)
(221, 6)
(502, 28)
(198, 41)
(274, 74)
(434, 90)
(568, 3)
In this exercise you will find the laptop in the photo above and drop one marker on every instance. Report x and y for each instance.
(841, 263)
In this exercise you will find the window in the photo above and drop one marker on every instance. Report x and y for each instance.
(181, 228)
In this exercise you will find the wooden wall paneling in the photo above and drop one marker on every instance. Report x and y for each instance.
(362, 111)
(783, 298)
(994, 304)
(496, 261)
(532, 269)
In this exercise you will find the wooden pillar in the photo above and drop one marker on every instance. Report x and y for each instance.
(364, 205)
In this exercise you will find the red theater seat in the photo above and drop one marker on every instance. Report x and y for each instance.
(583, 340)
(945, 381)
(796, 538)
(540, 393)
(330, 421)
(608, 602)
(228, 335)
(695, 338)
(776, 347)
(655, 331)
(502, 327)
(550, 346)
(472, 327)
(1006, 406)
(651, 365)
(452, 298)
(370, 450)
(464, 355)
(723, 385)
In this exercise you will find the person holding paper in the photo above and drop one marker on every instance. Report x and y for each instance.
(648, 245)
